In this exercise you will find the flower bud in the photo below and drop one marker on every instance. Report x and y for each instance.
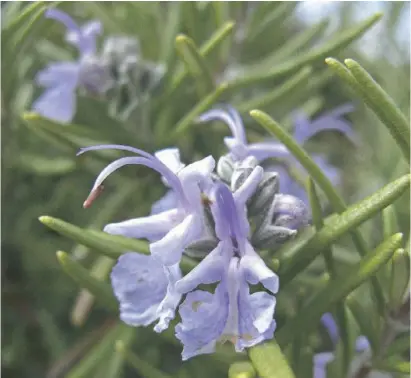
(242, 170)
(264, 194)
(225, 168)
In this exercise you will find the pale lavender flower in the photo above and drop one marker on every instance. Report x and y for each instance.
(321, 360)
(145, 290)
(171, 230)
(231, 312)
(61, 79)
(304, 129)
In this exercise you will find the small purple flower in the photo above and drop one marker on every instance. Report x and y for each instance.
(304, 129)
(171, 231)
(145, 289)
(61, 79)
(321, 360)
(231, 312)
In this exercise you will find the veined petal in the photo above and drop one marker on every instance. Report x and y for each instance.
(167, 308)
(147, 227)
(167, 202)
(256, 317)
(60, 73)
(255, 270)
(210, 270)
(321, 360)
(170, 248)
(330, 325)
(203, 318)
(230, 117)
(58, 103)
(140, 285)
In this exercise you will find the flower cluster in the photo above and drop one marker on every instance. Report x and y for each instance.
(220, 214)
(117, 73)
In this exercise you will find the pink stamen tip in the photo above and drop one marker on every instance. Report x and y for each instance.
(93, 196)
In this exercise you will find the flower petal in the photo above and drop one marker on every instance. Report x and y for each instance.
(170, 248)
(266, 150)
(85, 39)
(167, 308)
(60, 73)
(203, 318)
(210, 270)
(171, 158)
(146, 227)
(140, 285)
(256, 317)
(58, 104)
(167, 202)
(255, 270)
(362, 344)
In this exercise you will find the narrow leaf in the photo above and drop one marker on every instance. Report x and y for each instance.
(202, 106)
(145, 369)
(78, 273)
(301, 251)
(195, 64)
(393, 365)
(314, 55)
(383, 104)
(281, 92)
(338, 289)
(347, 76)
(323, 182)
(269, 361)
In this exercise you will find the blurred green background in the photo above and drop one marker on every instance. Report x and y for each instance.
(45, 330)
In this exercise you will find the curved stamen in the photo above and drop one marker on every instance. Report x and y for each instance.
(231, 118)
(151, 163)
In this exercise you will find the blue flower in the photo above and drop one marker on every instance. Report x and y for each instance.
(171, 231)
(231, 312)
(321, 360)
(61, 79)
(304, 129)
(145, 289)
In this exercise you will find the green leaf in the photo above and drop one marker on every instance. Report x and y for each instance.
(202, 106)
(375, 97)
(110, 245)
(390, 221)
(369, 325)
(393, 365)
(399, 278)
(269, 361)
(171, 29)
(43, 166)
(382, 104)
(195, 64)
(241, 369)
(206, 49)
(142, 367)
(100, 270)
(300, 252)
(399, 346)
(79, 274)
(336, 290)
(316, 54)
(97, 355)
(323, 182)
(281, 92)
